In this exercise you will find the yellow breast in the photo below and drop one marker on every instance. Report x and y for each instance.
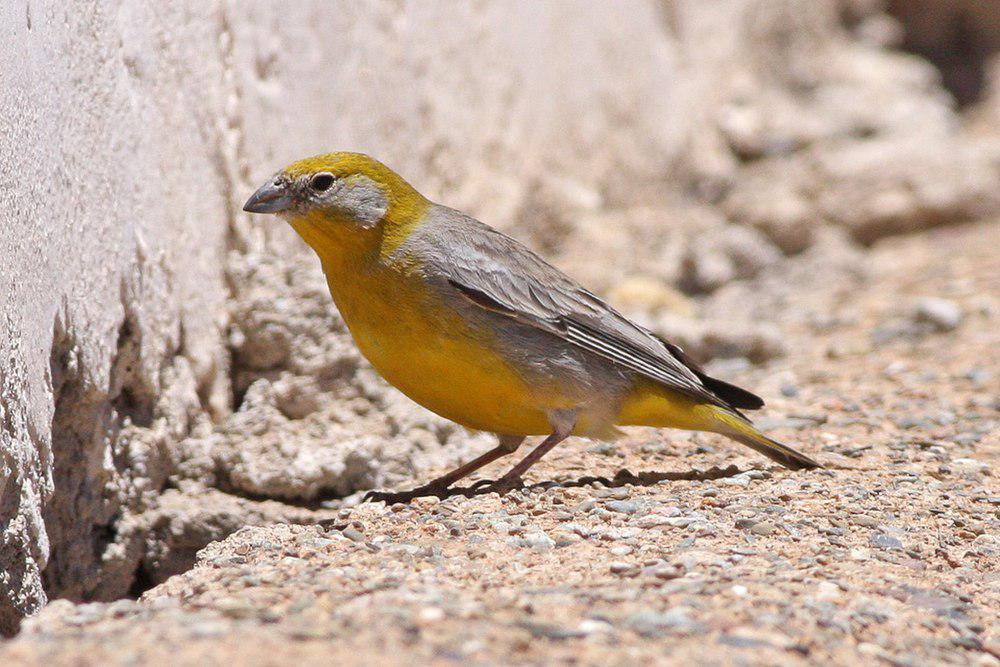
(428, 352)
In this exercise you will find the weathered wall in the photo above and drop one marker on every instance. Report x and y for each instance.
(111, 287)
(141, 307)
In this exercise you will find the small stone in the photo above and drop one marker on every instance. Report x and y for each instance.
(883, 541)
(604, 449)
(429, 615)
(667, 572)
(590, 626)
(742, 480)
(943, 314)
(966, 467)
(623, 568)
(354, 535)
(623, 506)
(539, 541)
(651, 624)
(827, 590)
(913, 422)
(763, 528)
(585, 506)
(652, 521)
(678, 521)
(979, 376)
(547, 631)
(564, 539)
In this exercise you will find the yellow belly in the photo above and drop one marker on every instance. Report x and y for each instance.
(650, 404)
(433, 357)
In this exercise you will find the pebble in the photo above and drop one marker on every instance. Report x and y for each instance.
(911, 422)
(563, 539)
(979, 376)
(354, 535)
(741, 480)
(539, 541)
(667, 572)
(827, 590)
(943, 314)
(429, 615)
(623, 568)
(620, 493)
(966, 467)
(623, 506)
(590, 626)
(653, 520)
(651, 624)
(789, 390)
(585, 506)
(546, 631)
(883, 541)
(763, 528)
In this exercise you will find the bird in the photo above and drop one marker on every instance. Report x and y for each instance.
(476, 327)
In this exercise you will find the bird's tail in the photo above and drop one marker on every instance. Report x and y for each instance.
(744, 432)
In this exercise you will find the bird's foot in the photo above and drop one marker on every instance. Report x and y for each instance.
(390, 497)
(503, 486)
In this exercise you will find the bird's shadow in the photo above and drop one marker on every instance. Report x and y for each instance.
(622, 477)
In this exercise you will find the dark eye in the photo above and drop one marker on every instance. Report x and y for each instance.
(321, 182)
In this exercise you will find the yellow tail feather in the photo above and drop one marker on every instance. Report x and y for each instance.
(744, 432)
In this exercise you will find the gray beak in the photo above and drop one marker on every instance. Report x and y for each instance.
(272, 197)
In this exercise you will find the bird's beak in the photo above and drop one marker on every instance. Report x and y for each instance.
(272, 197)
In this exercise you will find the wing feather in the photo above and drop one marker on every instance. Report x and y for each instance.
(495, 272)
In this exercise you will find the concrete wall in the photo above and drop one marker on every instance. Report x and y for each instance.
(113, 216)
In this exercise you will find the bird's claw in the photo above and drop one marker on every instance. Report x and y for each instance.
(390, 497)
(503, 486)
(481, 484)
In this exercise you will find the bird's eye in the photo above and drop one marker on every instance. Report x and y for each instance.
(321, 182)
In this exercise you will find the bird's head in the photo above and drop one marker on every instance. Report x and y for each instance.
(338, 193)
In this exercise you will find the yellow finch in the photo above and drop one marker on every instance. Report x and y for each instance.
(476, 327)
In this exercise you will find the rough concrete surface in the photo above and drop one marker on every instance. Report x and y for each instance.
(172, 370)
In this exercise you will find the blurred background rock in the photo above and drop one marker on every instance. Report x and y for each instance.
(172, 369)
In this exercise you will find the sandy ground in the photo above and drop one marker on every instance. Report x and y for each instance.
(891, 553)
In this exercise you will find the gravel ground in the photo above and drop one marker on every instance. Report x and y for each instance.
(703, 553)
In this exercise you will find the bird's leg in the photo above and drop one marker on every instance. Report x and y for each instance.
(508, 445)
(562, 427)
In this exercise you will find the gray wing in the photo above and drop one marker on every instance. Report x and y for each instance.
(498, 273)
